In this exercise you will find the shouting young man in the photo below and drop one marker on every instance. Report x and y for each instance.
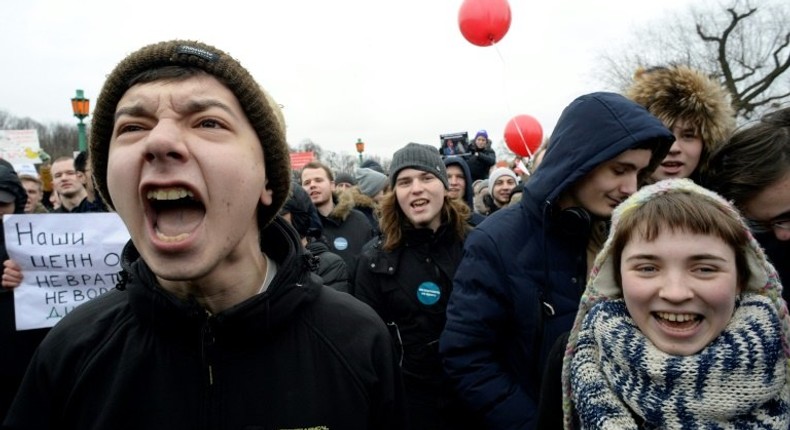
(217, 321)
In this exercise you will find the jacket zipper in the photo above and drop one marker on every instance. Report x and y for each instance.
(208, 341)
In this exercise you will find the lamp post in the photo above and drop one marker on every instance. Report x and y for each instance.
(360, 149)
(81, 108)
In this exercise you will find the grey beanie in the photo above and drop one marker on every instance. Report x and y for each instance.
(343, 177)
(498, 173)
(370, 182)
(420, 157)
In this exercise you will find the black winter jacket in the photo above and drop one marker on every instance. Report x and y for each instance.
(330, 267)
(480, 161)
(346, 229)
(409, 288)
(17, 346)
(296, 356)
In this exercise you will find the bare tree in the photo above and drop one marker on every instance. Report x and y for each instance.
(57, 139)
(745, 47)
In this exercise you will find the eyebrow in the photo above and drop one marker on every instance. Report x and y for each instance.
(191, 107)
(627, 165)
(784, 215)
(685, 128)
(696, 257)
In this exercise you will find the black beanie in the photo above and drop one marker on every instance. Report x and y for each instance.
(420, 157)
(262, 112)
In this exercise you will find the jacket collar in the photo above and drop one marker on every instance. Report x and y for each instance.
(293, 287)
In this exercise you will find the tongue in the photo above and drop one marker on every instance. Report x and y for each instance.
(175, 221)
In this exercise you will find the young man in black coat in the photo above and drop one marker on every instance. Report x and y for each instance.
(217, 320)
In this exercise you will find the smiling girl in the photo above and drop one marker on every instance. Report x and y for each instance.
(682, 323)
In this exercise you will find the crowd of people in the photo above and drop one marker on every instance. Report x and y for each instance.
(630, 278)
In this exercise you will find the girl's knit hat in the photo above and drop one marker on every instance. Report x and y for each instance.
(262, 112)
(675, 92)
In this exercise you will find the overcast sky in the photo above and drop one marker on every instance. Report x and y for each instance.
(388, 72)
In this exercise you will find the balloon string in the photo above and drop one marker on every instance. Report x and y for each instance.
(507, 102)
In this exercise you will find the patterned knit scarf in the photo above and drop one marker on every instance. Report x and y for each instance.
(738, 381)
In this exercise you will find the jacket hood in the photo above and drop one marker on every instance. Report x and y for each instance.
(602, 285)
(593, 129)
(360, 199)
(469, 192)
(344, 204)
(293, 286)
(9, 182)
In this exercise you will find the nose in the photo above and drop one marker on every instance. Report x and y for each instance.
(782, 234)
(417, 186)
(165, 142)
(675, 148)
(629, 184)
(675, 288)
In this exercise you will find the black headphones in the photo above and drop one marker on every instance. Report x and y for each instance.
(574, 221)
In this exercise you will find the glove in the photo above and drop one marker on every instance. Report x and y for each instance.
(45, 158)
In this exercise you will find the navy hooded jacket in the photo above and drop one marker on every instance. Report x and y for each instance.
(498, 330)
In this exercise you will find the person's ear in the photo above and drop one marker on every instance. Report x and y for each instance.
(266, 194)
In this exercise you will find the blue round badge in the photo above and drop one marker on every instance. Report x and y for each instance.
(428, 293)
(341, 243)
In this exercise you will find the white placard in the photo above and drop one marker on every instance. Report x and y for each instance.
(19, 146)
(66, 259)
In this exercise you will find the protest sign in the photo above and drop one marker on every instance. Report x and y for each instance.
(66, 260)
(19, 147)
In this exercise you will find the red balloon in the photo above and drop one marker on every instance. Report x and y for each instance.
(484, 22)
(523, 135)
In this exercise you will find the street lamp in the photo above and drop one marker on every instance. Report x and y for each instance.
(360, 149)
(81, 108)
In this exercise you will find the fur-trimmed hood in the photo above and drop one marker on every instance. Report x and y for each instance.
(678, 91)
(359, 199)
(344, 204)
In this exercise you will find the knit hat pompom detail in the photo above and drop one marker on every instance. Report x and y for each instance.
(262, 111)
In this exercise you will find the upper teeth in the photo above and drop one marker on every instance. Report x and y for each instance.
(676, 317)
(169, 194)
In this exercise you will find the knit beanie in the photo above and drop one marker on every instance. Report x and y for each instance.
(262, 112)
(498, 173)
(481, 133)
(420, 157)
(372, 164)
(675, 92)
(370, 182)
(345, 178)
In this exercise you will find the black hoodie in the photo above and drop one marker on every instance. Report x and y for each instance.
(469, 192)
(295, 356)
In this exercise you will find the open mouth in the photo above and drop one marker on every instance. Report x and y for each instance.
(176, 213)
(677, 321)
(419, 203)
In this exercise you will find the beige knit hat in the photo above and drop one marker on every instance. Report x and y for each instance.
(262, 112)
(675, 92)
